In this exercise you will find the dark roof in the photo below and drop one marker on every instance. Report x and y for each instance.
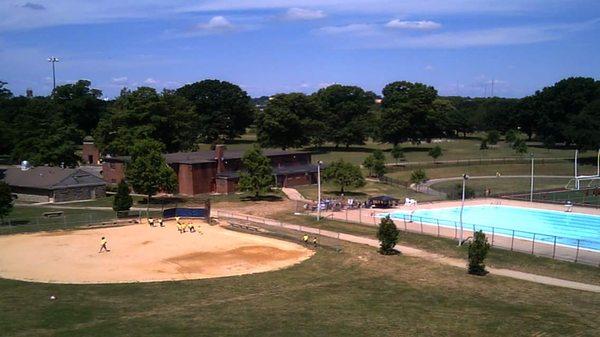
(199, 157)
(383, 198)
(307, 168)
(46, 177)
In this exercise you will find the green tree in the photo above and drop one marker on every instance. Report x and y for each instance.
(520, 146)
(122, 201)
(388, 235)
(148, 172)
(5, 93)
(483, 145)
(344, 174)
(435, 152)
(584, 126)
(418, 176)
(346, 112)
(290, 120)
(397, 153)
(146, 114)
(408, 113)
(478, 250)
(492, 137)
(511, 135)
(257, 175)
(223, 109)
(375, 163)
(6, 201)
(81, 105)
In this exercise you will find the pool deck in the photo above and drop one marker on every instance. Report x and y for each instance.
(545, 248)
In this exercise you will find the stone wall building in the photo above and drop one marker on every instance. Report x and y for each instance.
(53, 184)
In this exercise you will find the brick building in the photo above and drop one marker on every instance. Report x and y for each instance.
(218, 171)
(89, 152)
(53, 184)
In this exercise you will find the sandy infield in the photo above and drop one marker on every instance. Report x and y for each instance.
(140, 253)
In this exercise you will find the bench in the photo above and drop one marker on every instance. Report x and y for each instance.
(52, 214)
(242, 226)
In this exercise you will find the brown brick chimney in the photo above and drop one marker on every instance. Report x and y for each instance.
(219, 151)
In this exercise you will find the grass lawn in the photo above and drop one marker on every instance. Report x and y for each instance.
(370, 189)
(497, 257)
(31, 219)
(498, 186)
(353, 293)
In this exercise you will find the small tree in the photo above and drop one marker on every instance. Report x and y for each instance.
(375, 163)
(511, 135)
(483, 145)
(435, 152)
(6, 201)
(344, 174)
(520, 146)
(258, 175)
(148, 172)
(369, 163)
(122, 201)
(388, 235)
(418, 176)
(493, 137)
(478, 250)
(397, 153)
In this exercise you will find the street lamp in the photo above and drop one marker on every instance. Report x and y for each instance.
(53, 60)
(462, 206)
(531, 191)
(319, 163)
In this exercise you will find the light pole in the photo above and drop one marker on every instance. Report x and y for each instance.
(53, 60)
(319, 163)
(531, 191)
(462, 206)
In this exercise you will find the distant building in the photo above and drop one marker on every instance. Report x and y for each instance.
(218, 171)
(29, 93)
(89, 152)
(53, 184)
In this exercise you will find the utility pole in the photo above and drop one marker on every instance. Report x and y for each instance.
(53, 60)
(492, 87)
(319, 163)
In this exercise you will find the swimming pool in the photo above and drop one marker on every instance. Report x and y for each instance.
(567, 227)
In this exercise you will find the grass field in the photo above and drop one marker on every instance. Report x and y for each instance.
(370, 189)
(353, 293)
(498, 186)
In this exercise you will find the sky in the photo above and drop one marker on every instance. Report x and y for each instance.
(461, 47)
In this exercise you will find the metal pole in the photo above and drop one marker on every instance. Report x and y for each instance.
(462, 206)
(577, 253)
(531, 192)
(319, 190)
(576, 180)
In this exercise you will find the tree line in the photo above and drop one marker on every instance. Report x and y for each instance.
(49, 129)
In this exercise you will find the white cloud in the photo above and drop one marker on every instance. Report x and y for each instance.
(216, 24)
(429, 67)
(150, 81)
(296, 13)
(120, 80)
(418, 25)
(354, 28)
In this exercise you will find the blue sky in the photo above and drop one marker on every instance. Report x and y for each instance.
(271, 46)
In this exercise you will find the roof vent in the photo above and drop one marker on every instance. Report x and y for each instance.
(25, 166)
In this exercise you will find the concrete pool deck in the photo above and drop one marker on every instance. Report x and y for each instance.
(542, 248)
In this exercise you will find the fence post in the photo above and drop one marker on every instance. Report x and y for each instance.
(421, 225)
(438, 227)
(533, 244)
(512, 240)
(493, 236)
(577, 252)
(455, 230)
(360, 215)
(554, 247)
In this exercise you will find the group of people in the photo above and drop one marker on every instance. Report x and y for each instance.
(306, 239)
(183, 227)
(160, 222)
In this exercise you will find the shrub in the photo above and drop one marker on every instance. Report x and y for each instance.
(122, 201)
(483, 145)
(435, 152)
(418, 176)
(456, 192)
(478, 250)
(492, 137)
(388, 235)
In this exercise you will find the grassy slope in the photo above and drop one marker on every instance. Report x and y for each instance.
(370, 189)
(505, 185)
(497, 258)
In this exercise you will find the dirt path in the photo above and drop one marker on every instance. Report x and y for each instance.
(414, 252)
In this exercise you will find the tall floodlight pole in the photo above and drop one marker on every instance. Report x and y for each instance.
(53, 60)
(531, 191)
(319, 163)
(576, 180)
(598, 163)
(462, 206)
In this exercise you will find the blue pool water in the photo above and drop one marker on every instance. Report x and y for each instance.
(567, 227)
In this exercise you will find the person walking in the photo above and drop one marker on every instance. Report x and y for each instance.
(103, 243)
(305, 239)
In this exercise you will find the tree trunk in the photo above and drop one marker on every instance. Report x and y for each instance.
(342, 190)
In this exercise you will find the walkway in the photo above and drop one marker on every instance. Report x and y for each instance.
(294, 195)
(413, 252)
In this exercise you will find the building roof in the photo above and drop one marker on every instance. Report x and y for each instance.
(47, 177)
(199, 157)
(283, 170)
(384, 198)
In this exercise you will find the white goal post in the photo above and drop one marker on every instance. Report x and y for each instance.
(578, 179)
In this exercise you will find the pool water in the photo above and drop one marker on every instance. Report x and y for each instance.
(567, 227)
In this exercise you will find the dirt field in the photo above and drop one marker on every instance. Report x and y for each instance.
(140, 253)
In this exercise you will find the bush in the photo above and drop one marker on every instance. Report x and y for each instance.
(456, 192)
(435, 152)
(492, 137)
(483, 145)
(388, 235)
(478, 250)
(122, 201)
(397, 153)
(519, 146)
(418, 176)
(511, 135)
